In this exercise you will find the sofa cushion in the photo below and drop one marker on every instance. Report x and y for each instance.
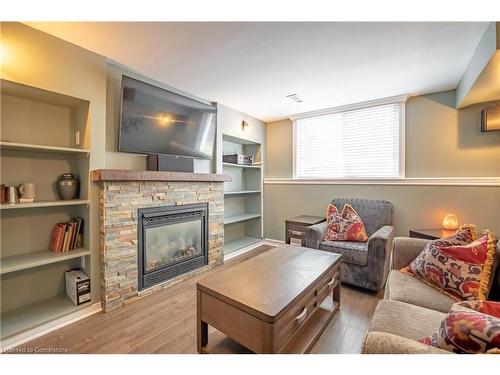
(407, 288)
(352, 252)
(386, 343)
(403, 319)
(456, 265)
(469, 327)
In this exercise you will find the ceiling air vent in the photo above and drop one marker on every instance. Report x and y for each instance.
(295, 98)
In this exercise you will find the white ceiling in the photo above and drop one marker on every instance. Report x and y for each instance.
(251, 67)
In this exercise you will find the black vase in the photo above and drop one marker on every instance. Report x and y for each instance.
(68, 186)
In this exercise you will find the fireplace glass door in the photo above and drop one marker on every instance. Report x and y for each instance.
(172, 243)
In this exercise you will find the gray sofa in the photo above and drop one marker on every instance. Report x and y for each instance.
(411, 309)
(364, 264)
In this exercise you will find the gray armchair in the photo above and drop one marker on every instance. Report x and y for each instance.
(364, 264)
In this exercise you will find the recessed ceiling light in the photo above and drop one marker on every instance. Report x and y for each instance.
(295, 98)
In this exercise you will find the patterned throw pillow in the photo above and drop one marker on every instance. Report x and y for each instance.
(345, 226)
(457, 265)
(469, 327)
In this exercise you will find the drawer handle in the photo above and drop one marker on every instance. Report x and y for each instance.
(332, 280)
(302, 315)
(296, 233)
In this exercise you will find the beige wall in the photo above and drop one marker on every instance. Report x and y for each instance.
(440, 142)
(38, 59)
(444, 142)
(414, 206)
(279, 161)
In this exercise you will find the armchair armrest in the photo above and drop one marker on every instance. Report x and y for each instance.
(315, 234)
(405, 250)
(379, 246)
(382, 234)
(386, 343)
(379, 254)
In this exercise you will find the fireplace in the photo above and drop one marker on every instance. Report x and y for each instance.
(172, 240)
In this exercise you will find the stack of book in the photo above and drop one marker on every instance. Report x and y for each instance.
(67, 236)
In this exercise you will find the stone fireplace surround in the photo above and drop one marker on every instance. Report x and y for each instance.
(122, 193)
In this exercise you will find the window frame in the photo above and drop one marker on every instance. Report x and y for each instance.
(400, 100)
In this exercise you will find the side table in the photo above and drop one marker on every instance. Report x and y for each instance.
(431, 233)
(295, 228)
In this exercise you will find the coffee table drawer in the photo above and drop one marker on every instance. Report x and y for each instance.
(326, 289)
(286, 326)
(292, 320)
(330, 279)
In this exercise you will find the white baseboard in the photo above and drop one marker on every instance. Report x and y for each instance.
(273, 242)
(21, 338)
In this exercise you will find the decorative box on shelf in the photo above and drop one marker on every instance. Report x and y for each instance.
(77, 287)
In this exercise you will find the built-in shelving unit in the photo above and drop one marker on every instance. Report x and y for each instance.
(242, 196)
(44, 134)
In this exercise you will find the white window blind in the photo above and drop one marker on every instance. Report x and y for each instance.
(360, 143)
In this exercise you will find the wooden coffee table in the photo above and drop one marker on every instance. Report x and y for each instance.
(277, 302)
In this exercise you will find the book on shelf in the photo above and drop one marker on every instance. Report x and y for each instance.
(67, 236)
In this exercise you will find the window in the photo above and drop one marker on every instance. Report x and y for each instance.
(353, 143)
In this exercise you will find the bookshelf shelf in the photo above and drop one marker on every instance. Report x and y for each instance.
(32, 315)
(19, 262)
(50, 149)
(232, 165)
(240, 218)
(242, 192)
(239, 243)
(48, 203)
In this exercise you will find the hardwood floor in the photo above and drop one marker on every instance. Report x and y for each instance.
(165, 323)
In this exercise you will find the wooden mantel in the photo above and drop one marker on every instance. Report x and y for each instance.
(128, 175)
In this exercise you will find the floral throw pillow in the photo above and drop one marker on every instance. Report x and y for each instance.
(345, 226)
(457, 265)
(469, 327)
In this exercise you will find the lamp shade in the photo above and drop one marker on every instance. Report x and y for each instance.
(450, 221)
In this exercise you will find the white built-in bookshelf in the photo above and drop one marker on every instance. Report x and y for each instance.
(38, 143)
(242, 196)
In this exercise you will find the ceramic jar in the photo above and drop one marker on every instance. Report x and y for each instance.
(67, 186)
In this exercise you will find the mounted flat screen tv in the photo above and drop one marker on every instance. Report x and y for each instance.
(157, 121)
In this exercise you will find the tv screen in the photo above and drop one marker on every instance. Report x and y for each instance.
(156, 121)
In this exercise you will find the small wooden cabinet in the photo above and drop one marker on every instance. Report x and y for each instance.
(295, 228)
